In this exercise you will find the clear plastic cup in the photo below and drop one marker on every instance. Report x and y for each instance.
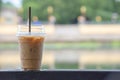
(31, 46)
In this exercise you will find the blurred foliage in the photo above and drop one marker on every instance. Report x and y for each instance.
(0, 4)
(8, 5)
(91, 45)
(66, 65)
(66, 11)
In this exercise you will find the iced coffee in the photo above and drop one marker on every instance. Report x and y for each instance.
(31, 50)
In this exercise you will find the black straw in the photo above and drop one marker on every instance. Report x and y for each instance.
(29, 19)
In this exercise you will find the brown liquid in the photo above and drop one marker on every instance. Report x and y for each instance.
(31, 48)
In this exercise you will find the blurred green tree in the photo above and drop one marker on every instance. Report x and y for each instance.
(66, 11)
(0, 5)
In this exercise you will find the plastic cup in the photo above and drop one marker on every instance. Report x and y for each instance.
(31, 46)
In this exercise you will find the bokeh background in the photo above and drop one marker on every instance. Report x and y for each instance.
(81, 34)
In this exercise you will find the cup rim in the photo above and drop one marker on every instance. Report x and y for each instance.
(27, 33)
